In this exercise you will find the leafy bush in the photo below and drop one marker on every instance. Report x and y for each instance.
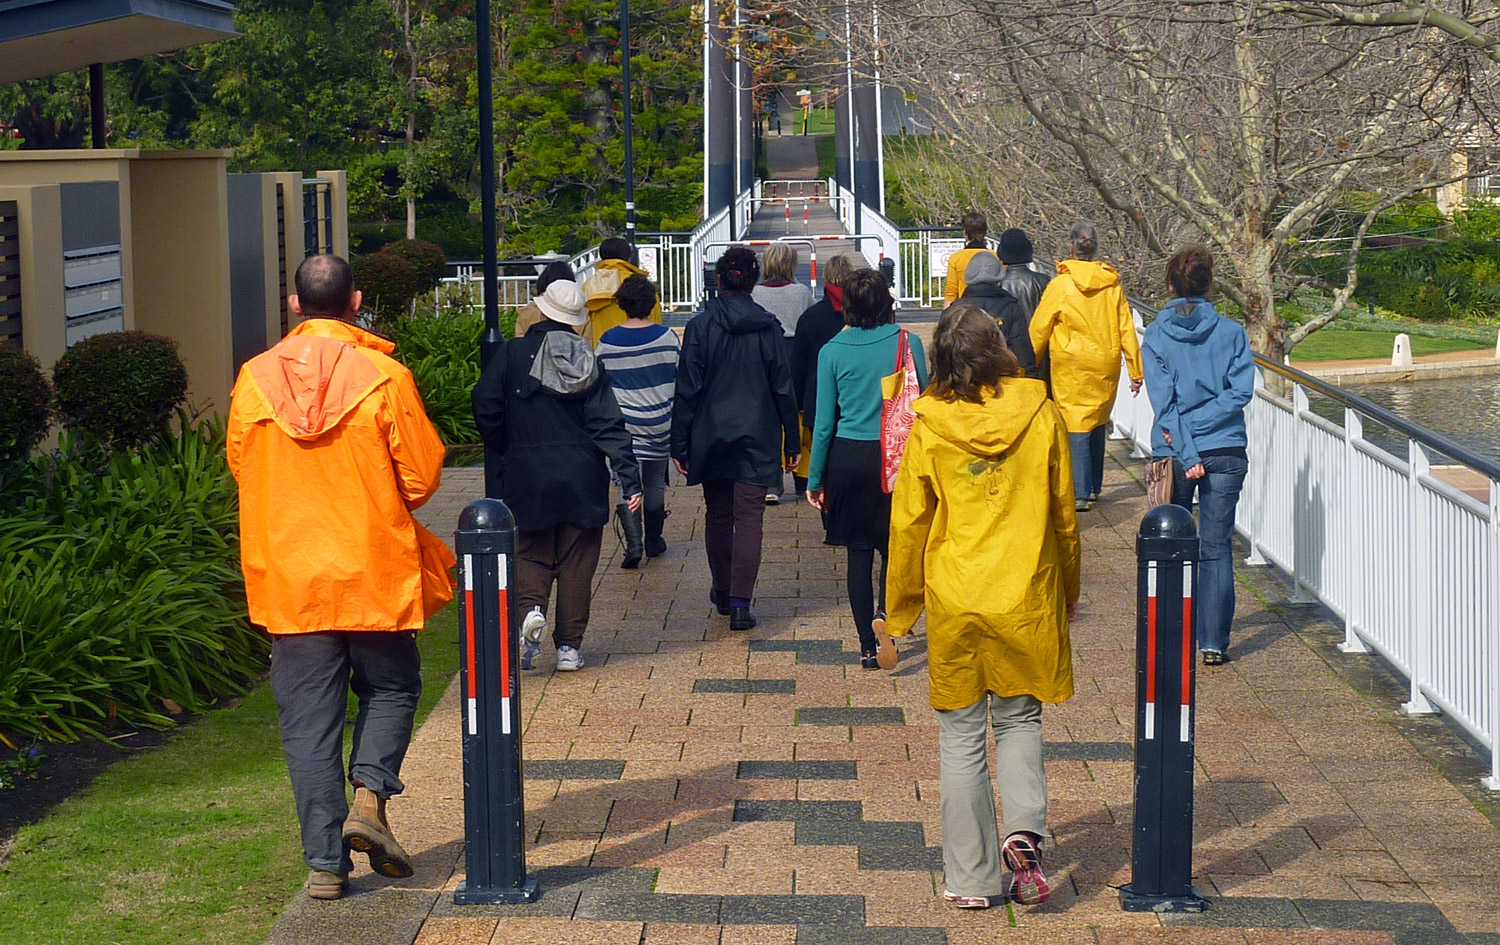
(389, 282)
(121, 587)
(119, 389)
(25, 407)
(1437, 282)
(441, 349)
(428, 259)
(1478, 220)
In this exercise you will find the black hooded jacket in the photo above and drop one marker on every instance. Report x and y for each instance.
(734, 411)
(548, 446)
(1014, 322)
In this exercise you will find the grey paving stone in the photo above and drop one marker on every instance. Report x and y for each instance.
(794, 910)
(851, 715)
(797, 770)
(773, 686)
(1482, 938)
(604, 906)
(861, 833)
(376, 917)
(798, 810)
(1088, 751)
(544, 769)
(1409, 923)
(1242, 912)
(562, 886)
(869, 935)
(809, 652)
(879, 857)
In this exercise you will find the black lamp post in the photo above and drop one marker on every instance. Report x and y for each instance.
(491, 340)
(629, 136)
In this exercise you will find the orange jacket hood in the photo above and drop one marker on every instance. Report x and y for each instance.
(315, 376)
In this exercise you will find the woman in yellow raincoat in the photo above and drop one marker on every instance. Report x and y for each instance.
(1084, 320)
(984, 539)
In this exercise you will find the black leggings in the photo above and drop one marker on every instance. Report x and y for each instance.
(862, 597)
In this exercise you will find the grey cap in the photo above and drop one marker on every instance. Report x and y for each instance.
(983, 268)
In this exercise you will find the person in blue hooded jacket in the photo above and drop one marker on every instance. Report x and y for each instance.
(1199, 376)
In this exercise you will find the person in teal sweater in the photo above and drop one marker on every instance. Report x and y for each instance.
(843, 478)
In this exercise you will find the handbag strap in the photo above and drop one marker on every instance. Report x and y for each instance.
(901, 350)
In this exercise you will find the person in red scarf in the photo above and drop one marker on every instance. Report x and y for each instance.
(818, 324)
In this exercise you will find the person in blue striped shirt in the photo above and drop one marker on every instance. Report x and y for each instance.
(640, 360)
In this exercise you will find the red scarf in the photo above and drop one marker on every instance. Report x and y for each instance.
(835, 296)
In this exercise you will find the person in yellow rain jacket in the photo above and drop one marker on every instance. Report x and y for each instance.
(614, 267)
(976, 228)
(332, 451)
(1085, 322)
(984, 539)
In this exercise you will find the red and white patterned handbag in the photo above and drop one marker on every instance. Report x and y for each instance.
(898, 391)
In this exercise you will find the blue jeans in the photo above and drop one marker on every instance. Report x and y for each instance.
(1088, 462)
(1218, 494)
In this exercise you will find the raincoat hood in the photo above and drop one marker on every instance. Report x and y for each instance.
(738, 314)
(987, 429)
(983, 269)
(317, 375)
(608, 274)
(1088, 275)
(565, 364)
(1193, 328)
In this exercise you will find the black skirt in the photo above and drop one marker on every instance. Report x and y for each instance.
(859, 511)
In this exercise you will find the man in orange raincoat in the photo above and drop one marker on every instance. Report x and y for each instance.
(332, 450)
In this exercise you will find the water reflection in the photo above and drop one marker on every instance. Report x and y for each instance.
(1464, 409)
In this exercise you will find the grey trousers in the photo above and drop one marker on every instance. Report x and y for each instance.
(971, 841)
(311, 675)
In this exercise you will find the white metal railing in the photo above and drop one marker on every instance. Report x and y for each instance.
(874, 222)
(1405, 552)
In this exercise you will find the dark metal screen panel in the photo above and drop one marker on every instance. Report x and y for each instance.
(10, 275)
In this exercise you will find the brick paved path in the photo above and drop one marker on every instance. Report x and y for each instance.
(693, 785)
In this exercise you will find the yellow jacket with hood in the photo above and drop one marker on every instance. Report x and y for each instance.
(599, 295)
(1084, 321)
(333, 450)
(984, 539)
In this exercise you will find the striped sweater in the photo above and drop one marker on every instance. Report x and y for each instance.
(641, 364)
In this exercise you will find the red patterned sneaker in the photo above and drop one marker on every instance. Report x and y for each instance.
(970, 902)
(1028, 884)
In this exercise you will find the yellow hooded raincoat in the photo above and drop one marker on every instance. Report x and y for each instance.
(332, 450)
(984, 538)
(599, 295)
(1084, 320)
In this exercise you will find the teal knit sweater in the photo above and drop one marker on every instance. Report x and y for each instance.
(850, 367)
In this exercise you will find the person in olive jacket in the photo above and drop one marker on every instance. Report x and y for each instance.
(734, 426)
(544, 405)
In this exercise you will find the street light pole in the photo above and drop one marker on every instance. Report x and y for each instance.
(629, 137)
(491, 340)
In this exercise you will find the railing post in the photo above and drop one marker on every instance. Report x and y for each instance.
(1299, 490)
(494, 809)
(1161, 865)
(1255, 479)
(1492, 617)
(1419, 549)
(1355, 502)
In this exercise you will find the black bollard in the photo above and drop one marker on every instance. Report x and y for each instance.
(1166, 646)
(710, 281)
(888, 271)
(494, 809)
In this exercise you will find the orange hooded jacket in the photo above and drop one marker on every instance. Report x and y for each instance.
(333, 450)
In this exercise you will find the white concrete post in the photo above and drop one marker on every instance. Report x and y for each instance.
(1401, 354)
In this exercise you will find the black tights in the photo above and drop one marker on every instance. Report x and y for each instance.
(862, 594)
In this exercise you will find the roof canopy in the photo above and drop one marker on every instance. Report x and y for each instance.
(47, 37)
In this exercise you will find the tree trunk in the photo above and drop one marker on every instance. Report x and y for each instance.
(411, 197)
(1255, 258)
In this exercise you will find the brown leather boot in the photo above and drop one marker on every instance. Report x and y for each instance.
(366, 831)
(321, 884)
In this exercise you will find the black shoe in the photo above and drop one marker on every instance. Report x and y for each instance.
(721, 601)
(629, 524)
(869, 661)
(740, 618)
(656, 546)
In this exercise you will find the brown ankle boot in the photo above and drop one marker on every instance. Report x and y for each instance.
(366, 831)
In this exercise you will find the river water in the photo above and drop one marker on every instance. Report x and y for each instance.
(1464, 409)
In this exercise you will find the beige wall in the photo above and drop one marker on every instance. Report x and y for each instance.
(339, 191)
(296, 246)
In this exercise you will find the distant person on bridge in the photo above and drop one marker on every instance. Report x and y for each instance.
(782, 295)
(733, 417)
(983, 277)
(1083, 321)
(333, 451)
(1200, 375)
(985, 540)
(844, 476)
(614, 267)
(976, 227)
(544, 406)
(823, 320)
(529, 314)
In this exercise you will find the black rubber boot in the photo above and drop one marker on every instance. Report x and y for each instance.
(656, 546)
(630, 525)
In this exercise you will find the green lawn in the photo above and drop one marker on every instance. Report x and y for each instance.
(1339, 345)
(827, 150)
(195, 841)
(821, 123)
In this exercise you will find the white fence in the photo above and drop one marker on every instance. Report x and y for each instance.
(1398, 547)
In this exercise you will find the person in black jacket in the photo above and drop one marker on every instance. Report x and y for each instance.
(1019, 279)
(982, 287)
(818, 324)
(544, 405)
(734, 427)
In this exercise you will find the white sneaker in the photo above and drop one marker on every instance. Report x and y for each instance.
(773, 499)
(531, 636)
(568, 659)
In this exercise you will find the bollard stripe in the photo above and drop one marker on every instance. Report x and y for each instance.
(1151, 651)
(1187, 652)
(505, 643)
(473, 704)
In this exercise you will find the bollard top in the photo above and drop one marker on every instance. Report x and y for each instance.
(1168, 521)
(486, 515)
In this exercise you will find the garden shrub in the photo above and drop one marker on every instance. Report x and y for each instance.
(120, 587)
(25, 407)
(441, 349)
(428, 259)
(1455, 280)
(1479, 219)
(389, 282)
(119, 389)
